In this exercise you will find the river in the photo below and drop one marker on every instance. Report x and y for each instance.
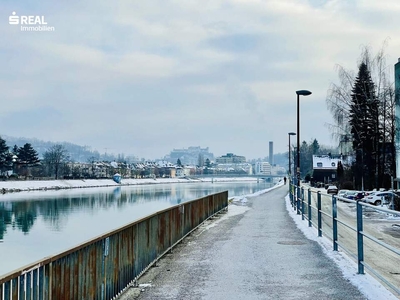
(37, 224)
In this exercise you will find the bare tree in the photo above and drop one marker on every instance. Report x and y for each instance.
(54, 158)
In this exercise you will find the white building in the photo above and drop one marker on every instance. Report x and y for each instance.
(183, 171)
(239, 168)
(263, 168)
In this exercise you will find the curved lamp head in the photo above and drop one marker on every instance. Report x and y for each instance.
(292, 133)
(303, 93)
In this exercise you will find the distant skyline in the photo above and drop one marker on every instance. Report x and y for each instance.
(144, 77)
(20, 141)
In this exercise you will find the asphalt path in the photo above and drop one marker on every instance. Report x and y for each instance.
(259, 254)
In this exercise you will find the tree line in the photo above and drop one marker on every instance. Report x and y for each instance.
(25, 161)
(363, 108)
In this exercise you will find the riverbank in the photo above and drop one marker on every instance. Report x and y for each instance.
(13, 186)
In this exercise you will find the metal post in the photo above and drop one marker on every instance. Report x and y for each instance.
(290, 160)
(298, 198)
(290, 172)
(303, 93)
(302, 203)
(298, 140)
(309, 208)
(319, 214)
(360, 237)
(334, 223)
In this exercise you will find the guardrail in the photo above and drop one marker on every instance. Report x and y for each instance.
(321, 211)
(105, 266)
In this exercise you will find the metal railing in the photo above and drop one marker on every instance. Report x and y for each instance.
(321, 211)
(105, 266)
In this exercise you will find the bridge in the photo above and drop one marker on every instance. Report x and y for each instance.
(258, 176)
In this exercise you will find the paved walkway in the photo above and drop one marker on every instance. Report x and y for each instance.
(260, 254)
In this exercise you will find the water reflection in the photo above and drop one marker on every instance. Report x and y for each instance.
(36, 224)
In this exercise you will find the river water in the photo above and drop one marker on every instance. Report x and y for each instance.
(34, 225)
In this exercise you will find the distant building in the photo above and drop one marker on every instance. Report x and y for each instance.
(234, 168)
(189, 156)
(183, 171)
(263, 168)
(230, 158)
(271, 153)
(325, 168)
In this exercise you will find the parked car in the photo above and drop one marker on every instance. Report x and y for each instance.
(341, 193)
(356, 195)
(350, 194)
(379, 198)
(332, 189)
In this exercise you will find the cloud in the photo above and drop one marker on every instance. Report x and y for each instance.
(149, 76)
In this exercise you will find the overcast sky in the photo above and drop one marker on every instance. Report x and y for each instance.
(144, 77)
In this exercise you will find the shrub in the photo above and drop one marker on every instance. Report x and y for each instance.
(347, 185)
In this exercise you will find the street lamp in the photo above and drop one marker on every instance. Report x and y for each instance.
(290, 164)
(299, 93)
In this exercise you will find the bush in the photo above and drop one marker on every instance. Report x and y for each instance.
(347, 185)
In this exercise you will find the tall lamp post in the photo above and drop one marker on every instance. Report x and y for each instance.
(299, 93)
(290, 163)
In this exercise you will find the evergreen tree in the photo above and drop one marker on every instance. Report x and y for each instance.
(208, 163)
(178, 163)
(364, 123)
(315, 147)
(27, 157)
(15, 150)
(5, 157)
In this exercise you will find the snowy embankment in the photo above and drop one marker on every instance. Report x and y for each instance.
(37, 185)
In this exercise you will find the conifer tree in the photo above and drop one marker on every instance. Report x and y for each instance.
(5, 157)
(364, 124)
(27, 157)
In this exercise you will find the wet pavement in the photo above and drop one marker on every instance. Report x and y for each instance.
(258, 254)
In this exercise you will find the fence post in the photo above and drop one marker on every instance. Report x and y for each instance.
(302, 203)
(334, 223)
(309, 208)
(298, 198)
(319, 214)
(360, 239)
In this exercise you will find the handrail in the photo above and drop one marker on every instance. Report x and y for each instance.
(329, 217)
(105, 266)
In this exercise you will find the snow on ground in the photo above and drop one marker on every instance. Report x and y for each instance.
(33, 185)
